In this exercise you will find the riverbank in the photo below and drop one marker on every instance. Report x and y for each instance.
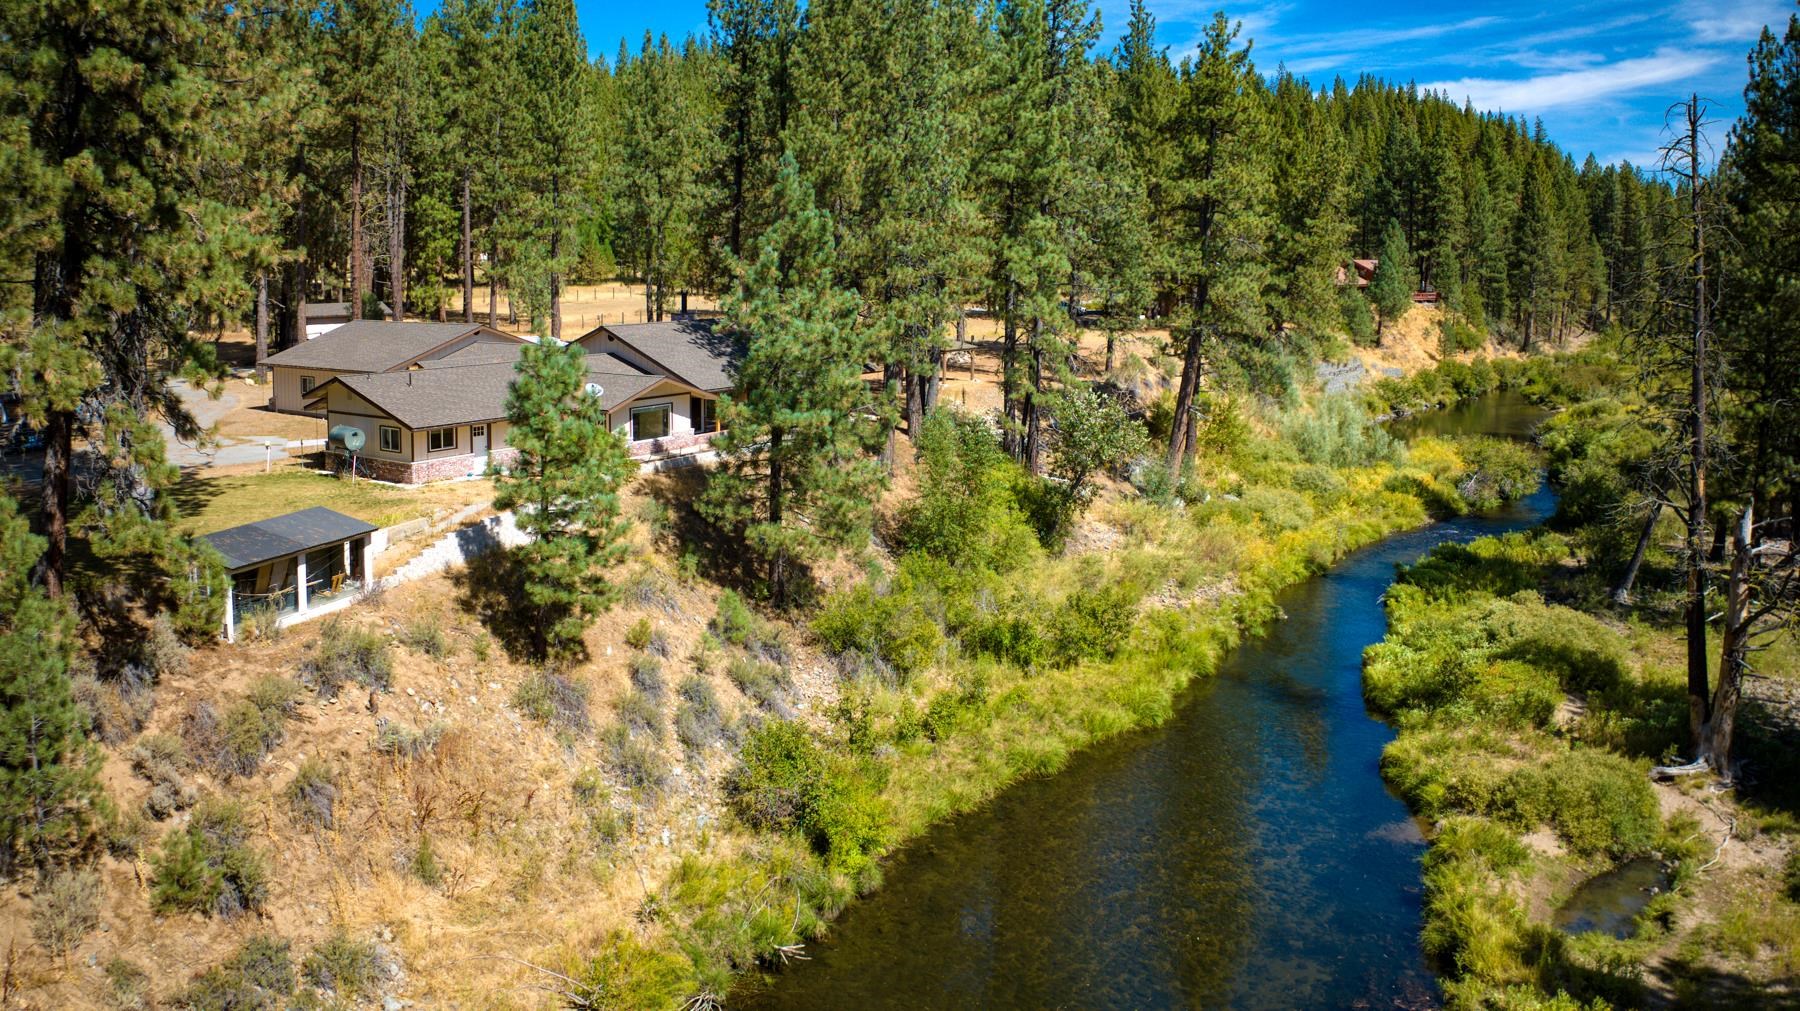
(1527, 727)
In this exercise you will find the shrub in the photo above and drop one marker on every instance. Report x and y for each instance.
(424, 636)
(127, 985)
(626, 974)
(1601, 803)
(1338, 433)
(638, 635)
(1279, 509)
(404, 742)
(893, 625)
(162, 759)
(163, 652)
(700, 718)
(735, 623)
(424, 863)
(775, 783)
(119, 705)
(312, 794)
(346, 653)
(65, 910)
(343, 966)
(258, 977)
(966, 511)
(555, 700)
(639, 766)
(647, 676)
(482, 648)
(641, 713)
(1092, 624)
(1496, 471)
(949, 709)
(784, 782)
(763, 683)
(125, 832)
(208, 866)
(236, 743)
(262, 623)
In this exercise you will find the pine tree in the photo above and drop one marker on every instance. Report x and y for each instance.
(1760, 318)
(658, 191)
(559, 110)
(112, 117)
(48, 771)
(564, 490)
(799, 474)
(1034, 80)
(1221, 218)
(754, 40)
(882, 129)
(1149, 96)
(1393, 284)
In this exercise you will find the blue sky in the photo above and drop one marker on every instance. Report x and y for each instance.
(1601, 75)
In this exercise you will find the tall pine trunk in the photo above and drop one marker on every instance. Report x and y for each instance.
(468, 253)
(777, 560)
(1734, 651)
(1699, 701)
(397, 248)
(358, 252)
(555, 259)
(493, 288)
(262, 323)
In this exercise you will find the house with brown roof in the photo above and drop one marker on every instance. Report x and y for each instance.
(446, 417)
(363, 347)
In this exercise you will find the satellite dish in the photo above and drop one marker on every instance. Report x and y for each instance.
(595, 389)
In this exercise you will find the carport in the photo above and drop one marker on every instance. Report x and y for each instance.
(296, 566)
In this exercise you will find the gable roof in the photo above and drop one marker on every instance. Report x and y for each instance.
(692, 351)
(443, 395)
(367, 345)
(280, 536)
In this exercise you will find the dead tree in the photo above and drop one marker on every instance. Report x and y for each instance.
(1762, 598)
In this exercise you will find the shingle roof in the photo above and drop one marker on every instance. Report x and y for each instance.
(434, 397)
(483, 353)
(280, 536)
(335, 310)
(376, 345)
(690, 350)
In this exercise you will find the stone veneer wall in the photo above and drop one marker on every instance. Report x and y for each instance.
(423, 471)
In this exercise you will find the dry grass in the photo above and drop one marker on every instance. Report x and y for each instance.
(210, 501)
(584, 306)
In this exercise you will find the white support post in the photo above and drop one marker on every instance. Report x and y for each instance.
(300, 583)
(230, 614)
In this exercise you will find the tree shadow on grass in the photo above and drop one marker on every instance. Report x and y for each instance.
(491, 585)
(718, 554)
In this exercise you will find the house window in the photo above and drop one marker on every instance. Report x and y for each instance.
(706, 415)
(650, 422)
(306, 384)
(390, 439)
(439, 439)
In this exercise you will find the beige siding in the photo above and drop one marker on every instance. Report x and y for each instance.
(604, 342)
(286, 395)
(680, 406)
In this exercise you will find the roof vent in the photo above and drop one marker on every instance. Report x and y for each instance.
(595, 389)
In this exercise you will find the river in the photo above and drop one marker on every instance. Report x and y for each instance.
(1244, 854)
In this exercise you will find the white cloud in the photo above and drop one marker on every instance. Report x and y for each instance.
(1577, 87)
(1732, 21)
(1358, 40)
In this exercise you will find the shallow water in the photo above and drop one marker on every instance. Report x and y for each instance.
(1244, 854)
(1609, 903)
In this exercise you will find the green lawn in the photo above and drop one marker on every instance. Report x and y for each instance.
(206, 504)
